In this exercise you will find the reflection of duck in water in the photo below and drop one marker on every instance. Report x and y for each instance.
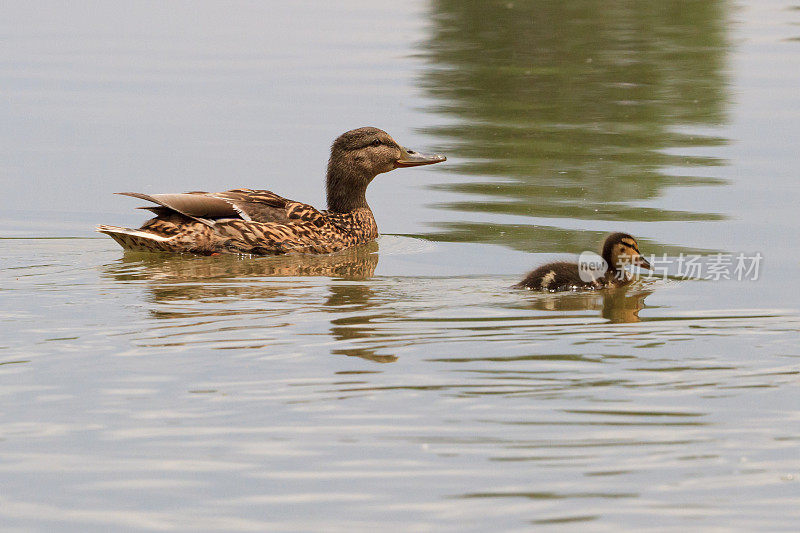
(356, 329)
(181, 277)
(201, 290)
(619, 250)
(261, 222)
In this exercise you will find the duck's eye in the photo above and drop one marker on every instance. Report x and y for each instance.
(376, 142)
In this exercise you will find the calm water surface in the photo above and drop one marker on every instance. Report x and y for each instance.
(402, 385)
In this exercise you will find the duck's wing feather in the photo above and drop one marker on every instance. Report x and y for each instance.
(245, 204)
(266, 206)
(198, 206)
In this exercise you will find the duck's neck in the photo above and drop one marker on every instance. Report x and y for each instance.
(347, 188)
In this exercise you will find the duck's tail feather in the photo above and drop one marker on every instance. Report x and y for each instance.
(197, 206)
(138, 240)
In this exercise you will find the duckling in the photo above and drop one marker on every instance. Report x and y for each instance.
(619, 250)
(248, 221)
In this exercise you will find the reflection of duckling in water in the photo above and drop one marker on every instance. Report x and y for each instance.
(261, 222)
(619, 250)
(617, 305)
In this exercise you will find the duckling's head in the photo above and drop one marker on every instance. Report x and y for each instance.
(357, 156)
(620, 249)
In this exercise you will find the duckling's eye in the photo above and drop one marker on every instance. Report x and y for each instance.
(376, 142)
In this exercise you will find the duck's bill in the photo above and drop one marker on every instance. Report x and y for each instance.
(641, 262)
(410, 158)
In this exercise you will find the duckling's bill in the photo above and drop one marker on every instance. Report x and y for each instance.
(410, 158)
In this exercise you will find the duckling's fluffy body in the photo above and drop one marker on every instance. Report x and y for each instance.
(261, 222)
(619, 249)
(564, 276)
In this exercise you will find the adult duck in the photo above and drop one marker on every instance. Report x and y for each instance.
(619, 251)
(250, 221)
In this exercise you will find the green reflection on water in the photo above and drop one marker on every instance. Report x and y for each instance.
(574, 110)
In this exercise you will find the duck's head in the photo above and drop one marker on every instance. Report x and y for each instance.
(357, 156)
(620, 249)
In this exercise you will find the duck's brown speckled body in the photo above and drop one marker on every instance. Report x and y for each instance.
(619, 249)
(261, 222)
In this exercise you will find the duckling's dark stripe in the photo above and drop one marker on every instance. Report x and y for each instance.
(631, 246)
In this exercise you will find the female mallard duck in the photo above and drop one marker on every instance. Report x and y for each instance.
(619, 250)
(261, 222)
